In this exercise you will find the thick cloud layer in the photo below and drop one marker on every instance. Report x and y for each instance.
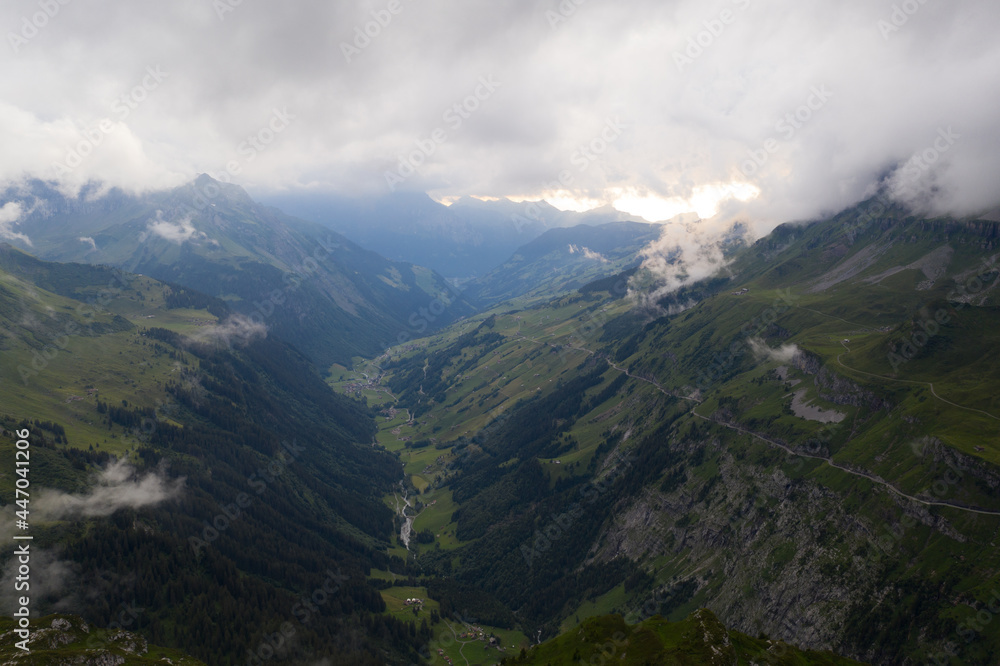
(659, 106)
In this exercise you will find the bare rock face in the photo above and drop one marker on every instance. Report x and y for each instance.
(101, 659)
(837, 388)
(959, 463)
(60, 633)
(129, 642)
(61, 624)
(711, 640)
(67, 640)
(754, 542)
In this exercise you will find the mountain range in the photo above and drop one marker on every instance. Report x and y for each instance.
(307, 284)
(804, 444)
(792, 459)
(463, 240)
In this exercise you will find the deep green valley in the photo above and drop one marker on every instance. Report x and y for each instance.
(795, 459)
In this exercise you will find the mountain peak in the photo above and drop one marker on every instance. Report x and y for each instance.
(204, 180)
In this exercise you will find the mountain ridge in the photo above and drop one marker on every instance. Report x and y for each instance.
(463, 240)
(311, 286)
(563, 259)
(761, 451)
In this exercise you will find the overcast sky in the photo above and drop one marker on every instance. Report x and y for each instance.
(659, 105)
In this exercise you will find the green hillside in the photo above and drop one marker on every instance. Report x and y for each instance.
(310, 286)
(698, 640)
(167, 437)
(562, 260)
(773, 450)
(806, 447)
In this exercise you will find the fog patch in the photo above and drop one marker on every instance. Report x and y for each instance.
(685, 253)
(237, 330)
(118, 486)
(175, 232)
(782, 354)
(50, 578)
(10, 213)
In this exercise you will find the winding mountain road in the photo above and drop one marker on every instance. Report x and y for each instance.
(865, 475)
(909, 381)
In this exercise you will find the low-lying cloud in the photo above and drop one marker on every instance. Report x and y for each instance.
(685, 253)
(587, 253)
(237, 330)
(178, 232)
(51, 578)
(10, 213)
(55, 581)
(782, 354)
(118, 486)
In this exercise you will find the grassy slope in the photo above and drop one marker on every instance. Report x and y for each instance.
(892, 408)
(106, 357)
(698, 640)
(562, 260)
(316, 289)
(65, 355)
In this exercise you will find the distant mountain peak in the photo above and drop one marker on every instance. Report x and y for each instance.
(210, 190)
(474, 202)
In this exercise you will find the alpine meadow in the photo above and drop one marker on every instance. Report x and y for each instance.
(538, 333)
